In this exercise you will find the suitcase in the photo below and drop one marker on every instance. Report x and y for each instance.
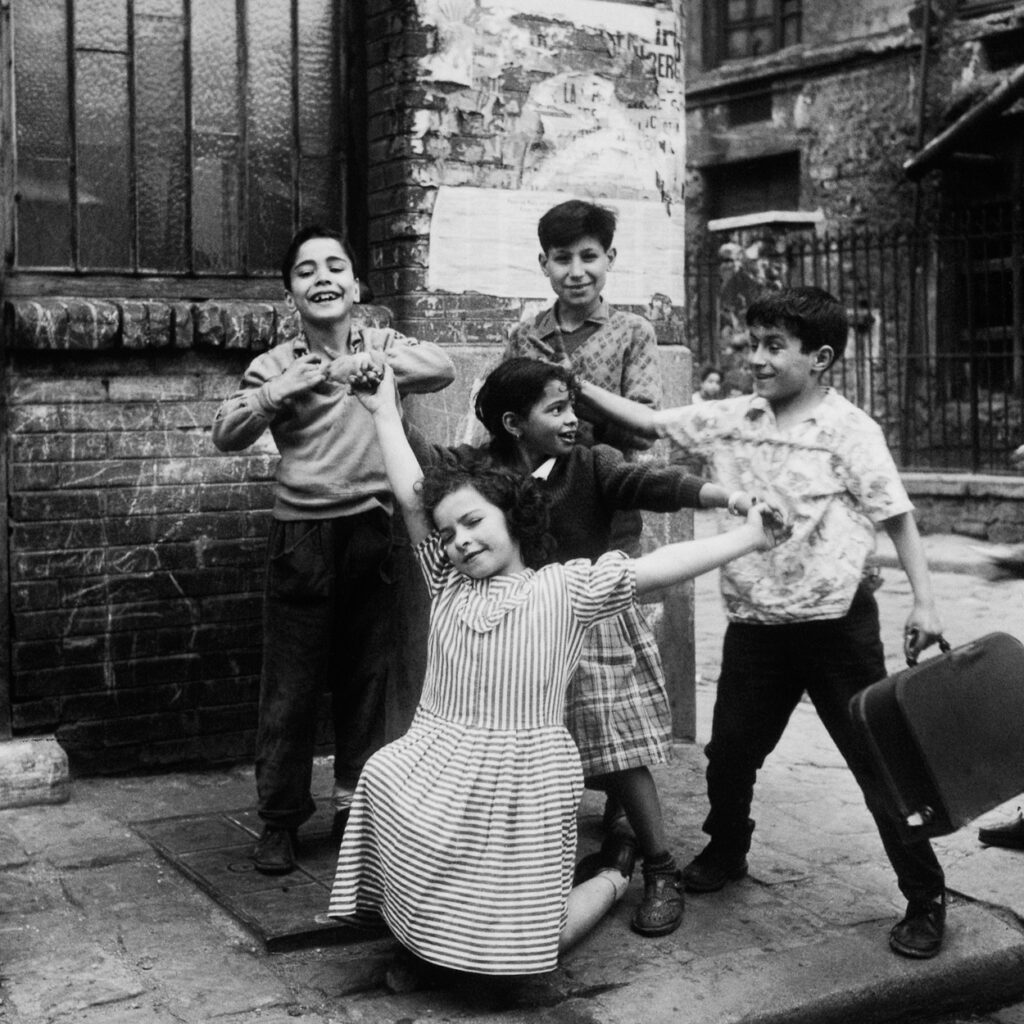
(946, 736)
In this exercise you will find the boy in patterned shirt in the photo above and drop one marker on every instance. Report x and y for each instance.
(802, 618)
(614, 348)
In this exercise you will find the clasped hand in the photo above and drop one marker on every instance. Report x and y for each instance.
(772, 523)
(377, 399)
(361, 371)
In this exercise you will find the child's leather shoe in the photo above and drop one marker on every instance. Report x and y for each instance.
(919, 934)
(617, 851)
(274, 852)
(661, 910)
(711, 869)
(1010, 835)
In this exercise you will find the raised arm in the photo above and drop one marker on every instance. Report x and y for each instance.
(674, 563)
(403, 471)
(633, 416)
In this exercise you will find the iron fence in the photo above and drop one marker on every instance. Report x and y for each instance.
(935, 346)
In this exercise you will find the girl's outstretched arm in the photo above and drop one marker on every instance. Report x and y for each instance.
(674, 563)
(404, 473)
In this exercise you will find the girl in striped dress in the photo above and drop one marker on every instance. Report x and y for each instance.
(462, 833)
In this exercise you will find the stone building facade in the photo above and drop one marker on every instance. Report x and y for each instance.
(875, 149)
(141, 217)
(828, 122)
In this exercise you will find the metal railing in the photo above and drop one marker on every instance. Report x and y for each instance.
(935, 350)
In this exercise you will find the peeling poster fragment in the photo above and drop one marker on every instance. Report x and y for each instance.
(544, 101)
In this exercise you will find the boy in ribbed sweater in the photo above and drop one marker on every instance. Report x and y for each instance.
(328, 606)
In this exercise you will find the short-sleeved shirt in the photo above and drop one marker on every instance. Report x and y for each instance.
(831, 473)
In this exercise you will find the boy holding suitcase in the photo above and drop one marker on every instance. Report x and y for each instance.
(802, 618)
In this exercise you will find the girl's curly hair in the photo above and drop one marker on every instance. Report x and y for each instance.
(525, 505)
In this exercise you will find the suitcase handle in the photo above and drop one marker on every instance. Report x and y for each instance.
(908, 640)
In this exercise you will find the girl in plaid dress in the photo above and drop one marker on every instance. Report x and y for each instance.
(462, 832)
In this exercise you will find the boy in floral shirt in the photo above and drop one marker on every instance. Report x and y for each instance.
(802, 618)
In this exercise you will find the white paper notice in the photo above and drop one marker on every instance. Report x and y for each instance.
(485, 240)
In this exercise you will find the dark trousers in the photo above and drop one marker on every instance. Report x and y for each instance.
(326, 628)
(766, 669)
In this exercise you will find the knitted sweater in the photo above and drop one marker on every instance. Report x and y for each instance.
(330, 464)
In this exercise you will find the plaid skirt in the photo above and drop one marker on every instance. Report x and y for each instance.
(617, 707)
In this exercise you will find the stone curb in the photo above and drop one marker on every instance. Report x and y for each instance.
(33, 771)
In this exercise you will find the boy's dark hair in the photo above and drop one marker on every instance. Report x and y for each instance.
(810, 314)
(525, 505)
(302, 236)
(515, 385)
(569, 221)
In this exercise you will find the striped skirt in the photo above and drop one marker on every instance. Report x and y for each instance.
(463, 840)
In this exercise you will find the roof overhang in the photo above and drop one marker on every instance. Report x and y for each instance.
(945, 144)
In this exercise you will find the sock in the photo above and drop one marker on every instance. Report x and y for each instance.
(659, 861)
(619, 882)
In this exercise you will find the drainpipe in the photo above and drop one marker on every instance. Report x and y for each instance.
(915, 270)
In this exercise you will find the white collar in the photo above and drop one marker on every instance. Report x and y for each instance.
(544, 470)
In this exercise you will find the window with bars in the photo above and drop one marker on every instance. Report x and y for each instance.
(750, 28)
(175, 137)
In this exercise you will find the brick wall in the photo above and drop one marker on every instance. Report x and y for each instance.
(134, 554)
(136, 547)
(986, 508)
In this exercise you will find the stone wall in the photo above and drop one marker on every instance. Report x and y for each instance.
(847, 99)
(987, 508)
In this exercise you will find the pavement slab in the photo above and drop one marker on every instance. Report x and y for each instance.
(67, 985)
